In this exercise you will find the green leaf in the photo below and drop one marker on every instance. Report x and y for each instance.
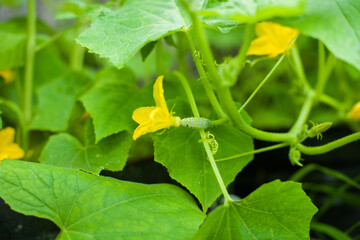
(65, 150)
(120, 34)
(79, 9)
(276, 210)
(170, 41)
(180, 151)
(56, 100)
(223, 25)
(340, 32)
(49, 64)
(86, 206)
(250, 11)
(112, 101)
(12, 49)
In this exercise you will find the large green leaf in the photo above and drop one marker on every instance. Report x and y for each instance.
(180, 151)
(66, 151)
(12, 50)
(251, 11)
(56, 99)
(49, 64)
(276, 210)
(120, 34)
(336, 23)
(86, 206)
(112, 101)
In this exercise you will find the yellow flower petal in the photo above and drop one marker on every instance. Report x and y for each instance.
(151, 119)
(14, 151)
(354, 114)
(141, 115)
(158, 94)
(7, 136)
(141, 130)
(273, 39)
(262, 46)
(156, 120)
(2, 156)
(8, 75)
(9, 149)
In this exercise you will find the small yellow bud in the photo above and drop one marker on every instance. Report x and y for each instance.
(354, 114)
(8, 76)
(9, 149)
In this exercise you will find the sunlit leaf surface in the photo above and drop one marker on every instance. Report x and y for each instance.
(86, 206)
(276, 210)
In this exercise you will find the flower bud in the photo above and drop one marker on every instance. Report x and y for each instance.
(8, 76)
(317, 129)
(295, 156)
(354, 114)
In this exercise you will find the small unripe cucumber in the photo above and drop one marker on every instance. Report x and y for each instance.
(194, 122)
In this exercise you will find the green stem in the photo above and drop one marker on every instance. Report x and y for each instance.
(51, 40)
(30, 57)
(321, 69)
(260, 150)
(249, 33)
(262, 83)
(298, 67)
(188, 92)
(326, 99)
(19, 90)
(182, 53)
(119, 3)
(304, 113)
(204, 78)
(325, 69)
(328, 68)
(353, 227)
(312, 96)
(77, 57)
(29, 70)
(332, 232)
(215, 168)
(224, 92)
(219, 122)
(160, 68)
(329, 146)
(302, 172)
(195, 111)
(335, 196)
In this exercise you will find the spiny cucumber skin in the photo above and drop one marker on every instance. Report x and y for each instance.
(198, 123)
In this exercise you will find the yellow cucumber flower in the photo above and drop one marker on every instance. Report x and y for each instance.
(155, 118)
(272, 39)
(9, 149)
(354, 114)
(8, 75)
